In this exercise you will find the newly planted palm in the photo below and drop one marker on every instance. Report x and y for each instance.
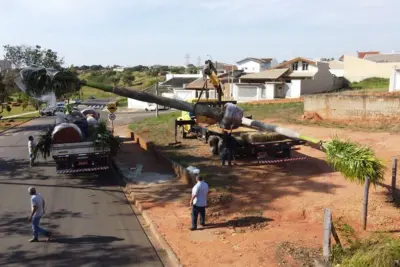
(43, 145)
(103, 138)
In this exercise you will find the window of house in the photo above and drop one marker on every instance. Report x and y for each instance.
(295, 66)
(305, 66)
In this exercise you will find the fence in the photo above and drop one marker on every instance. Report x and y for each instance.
(340, 106)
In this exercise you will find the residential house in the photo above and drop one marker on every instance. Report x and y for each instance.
(5, 65)
(395, 81)
(169, 88)
(193, 89)
(178, 84)
(290, 79)
(372, 65)
(119, 69)
(254, 65)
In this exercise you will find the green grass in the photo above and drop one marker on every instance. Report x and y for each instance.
(122, 102)
(380, 251)
(371, 83)
(281, 111)
(87, 91)
(159, 130)
(17, 110)
(18, 120)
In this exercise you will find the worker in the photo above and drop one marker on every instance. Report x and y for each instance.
(228, 147)
(198, 202)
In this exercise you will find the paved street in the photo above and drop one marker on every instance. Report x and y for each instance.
(92, 222)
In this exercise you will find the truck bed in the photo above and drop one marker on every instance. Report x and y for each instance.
(76, 149)
(80, 157)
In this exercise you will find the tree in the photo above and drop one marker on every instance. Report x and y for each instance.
(24, 105)
(128, 79)
(22, 56)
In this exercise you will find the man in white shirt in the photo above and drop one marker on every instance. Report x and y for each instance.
(198, 202)
(38, 204)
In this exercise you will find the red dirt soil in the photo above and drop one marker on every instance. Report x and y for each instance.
(253, 209)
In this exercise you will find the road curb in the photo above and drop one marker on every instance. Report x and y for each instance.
(151, 225)
(181, 172)
(12, 127)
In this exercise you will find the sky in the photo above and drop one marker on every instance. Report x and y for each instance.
(147, 32)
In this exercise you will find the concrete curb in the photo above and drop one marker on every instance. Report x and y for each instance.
(181, 172)
(12, 127)
(138, 206)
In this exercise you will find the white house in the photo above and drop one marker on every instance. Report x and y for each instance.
(395, 81)
(119, 69)
(290, 79)
(336, 67)
(254, 65)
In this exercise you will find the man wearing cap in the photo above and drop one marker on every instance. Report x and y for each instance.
(198, 202)
(38, 204)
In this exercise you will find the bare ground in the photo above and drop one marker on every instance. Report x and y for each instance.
(270, 214)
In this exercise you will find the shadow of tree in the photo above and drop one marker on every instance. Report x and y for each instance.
(80, 251)
(245, 186)
(240, 222)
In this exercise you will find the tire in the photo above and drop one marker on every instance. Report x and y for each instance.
(213, 144)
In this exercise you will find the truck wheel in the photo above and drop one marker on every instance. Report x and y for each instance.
(213, 143)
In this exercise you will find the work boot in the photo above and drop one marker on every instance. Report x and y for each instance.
(33, 240)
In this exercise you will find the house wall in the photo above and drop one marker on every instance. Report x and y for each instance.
(274, 63)
(337, 72)
(295, 89)
(244, 93)
(183, 94)
(323, 81)
(395, 81)
(356, 69)
(250, 66)
(270, 91)
(339, 106)
(169, 76)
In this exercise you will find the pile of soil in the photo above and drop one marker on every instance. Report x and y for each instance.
(311, 116)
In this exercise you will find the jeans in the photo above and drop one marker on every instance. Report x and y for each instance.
(36, 228)
(195, 213)
(226, 155)
(31, 158)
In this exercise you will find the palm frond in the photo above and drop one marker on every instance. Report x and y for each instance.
(43, 145)
(103, 138)
(354, 161)
(41, 81)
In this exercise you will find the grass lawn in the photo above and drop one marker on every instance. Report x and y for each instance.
(98, 94)
(17, 110)
(371, 83)
(7, 123)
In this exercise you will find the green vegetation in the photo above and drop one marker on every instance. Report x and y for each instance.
(354, 161)
(380, 250)
(283, 111)
(18, 110)
(371, 83)
(159, 130)
(122, 102)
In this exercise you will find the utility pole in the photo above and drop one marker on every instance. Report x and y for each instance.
(157, 95)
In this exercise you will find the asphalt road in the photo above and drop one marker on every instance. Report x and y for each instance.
(92, 222)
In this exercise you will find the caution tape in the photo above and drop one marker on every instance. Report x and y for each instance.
(82, 170)
(281, 160)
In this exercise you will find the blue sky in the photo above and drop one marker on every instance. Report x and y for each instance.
(162, 31)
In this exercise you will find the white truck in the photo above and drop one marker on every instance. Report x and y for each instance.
(80, 157)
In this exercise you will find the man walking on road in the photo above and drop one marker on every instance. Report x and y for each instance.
(37, 212)
(198, 202)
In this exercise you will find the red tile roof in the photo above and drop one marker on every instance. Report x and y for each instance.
(363, 54)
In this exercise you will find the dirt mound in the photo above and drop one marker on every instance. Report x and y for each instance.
(311, 116)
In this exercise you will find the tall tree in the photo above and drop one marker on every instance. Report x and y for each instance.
(22, 56)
